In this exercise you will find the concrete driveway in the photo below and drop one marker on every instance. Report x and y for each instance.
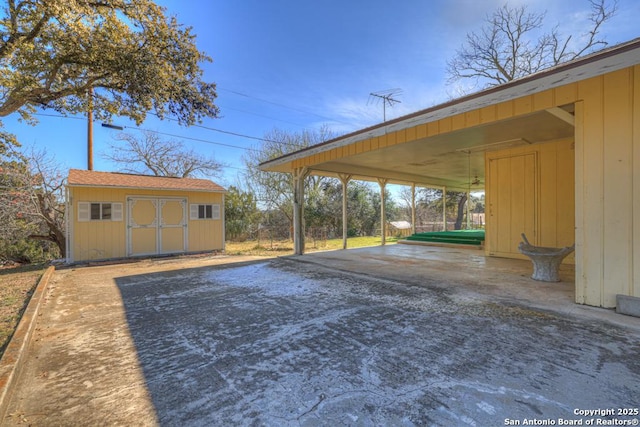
(396, 335)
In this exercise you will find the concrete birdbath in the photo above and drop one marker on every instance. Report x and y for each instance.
(546, 261)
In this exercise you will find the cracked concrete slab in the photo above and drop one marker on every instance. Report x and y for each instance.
(339, 338)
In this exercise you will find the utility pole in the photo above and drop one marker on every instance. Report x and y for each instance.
(387, 97)
(90, 131)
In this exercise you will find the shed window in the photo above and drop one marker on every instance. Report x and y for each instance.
(204, 212)
(99, 211)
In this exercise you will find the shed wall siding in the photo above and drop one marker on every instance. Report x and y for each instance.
(97, 239)
(207, 234)
(93, 240)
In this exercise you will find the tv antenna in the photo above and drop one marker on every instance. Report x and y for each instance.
(387, 97)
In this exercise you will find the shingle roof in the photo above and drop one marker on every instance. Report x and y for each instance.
(85, 178)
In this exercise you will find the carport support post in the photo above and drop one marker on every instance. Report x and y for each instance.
(444, 208)
(383, 221)
(344, 179)
(468, 211)
(299, 176)
(413, 208)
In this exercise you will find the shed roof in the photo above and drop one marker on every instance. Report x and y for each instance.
(85, 178)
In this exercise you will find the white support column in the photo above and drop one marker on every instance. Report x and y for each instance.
(298, 210)
(444, 208)
(383, 222)
(344, 179)
(413, 208)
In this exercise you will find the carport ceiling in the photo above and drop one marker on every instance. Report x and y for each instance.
(451, 159)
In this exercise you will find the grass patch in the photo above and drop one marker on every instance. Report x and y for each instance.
(16, 287)
(273, 248)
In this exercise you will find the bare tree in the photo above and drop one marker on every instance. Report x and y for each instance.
(276, 189)
(512, 44)
(47, 199)
(151, 154)
(32, 199)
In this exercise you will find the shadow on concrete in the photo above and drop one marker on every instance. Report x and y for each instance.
(329, 341)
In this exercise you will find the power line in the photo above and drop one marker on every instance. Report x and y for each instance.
(190, 138)
(159, 133)
(280, 105)
(262, 115)
(241, 135)
(186, 137)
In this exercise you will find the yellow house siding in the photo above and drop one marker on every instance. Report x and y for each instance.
(511, 198)
(581, 272)
(606, 173)
(530, 190)
(634, 287)
(522, 105)
(566, 94)
(591, 171)
(543, 100)
(618, 191)
(557, 194)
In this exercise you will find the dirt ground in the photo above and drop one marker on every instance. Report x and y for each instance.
(337, 338)
(16, 286)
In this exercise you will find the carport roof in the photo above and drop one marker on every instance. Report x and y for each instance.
(451, 158)
(86, 178)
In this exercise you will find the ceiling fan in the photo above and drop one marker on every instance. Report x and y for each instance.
(475, 181)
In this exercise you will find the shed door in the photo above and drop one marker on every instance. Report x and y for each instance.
(156, 226)
(512, 204)
(173, 225)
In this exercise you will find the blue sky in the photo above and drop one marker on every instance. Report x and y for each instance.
(297, 64)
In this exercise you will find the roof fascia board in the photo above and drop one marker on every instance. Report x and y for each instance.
(144, 188)
(624, 56)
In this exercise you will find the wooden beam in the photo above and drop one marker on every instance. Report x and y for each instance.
(563, 115)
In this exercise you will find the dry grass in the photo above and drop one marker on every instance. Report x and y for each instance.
(16, 287)
(285, 247)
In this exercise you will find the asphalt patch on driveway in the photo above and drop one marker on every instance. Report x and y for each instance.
(283, 342)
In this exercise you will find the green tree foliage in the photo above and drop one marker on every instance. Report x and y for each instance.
(363, 208)
(513, 43)
(429, 207)
(52, 52)
(241, 213)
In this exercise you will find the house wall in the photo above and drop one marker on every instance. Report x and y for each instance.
(93, 240)
(532, 191)
(608, 187)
